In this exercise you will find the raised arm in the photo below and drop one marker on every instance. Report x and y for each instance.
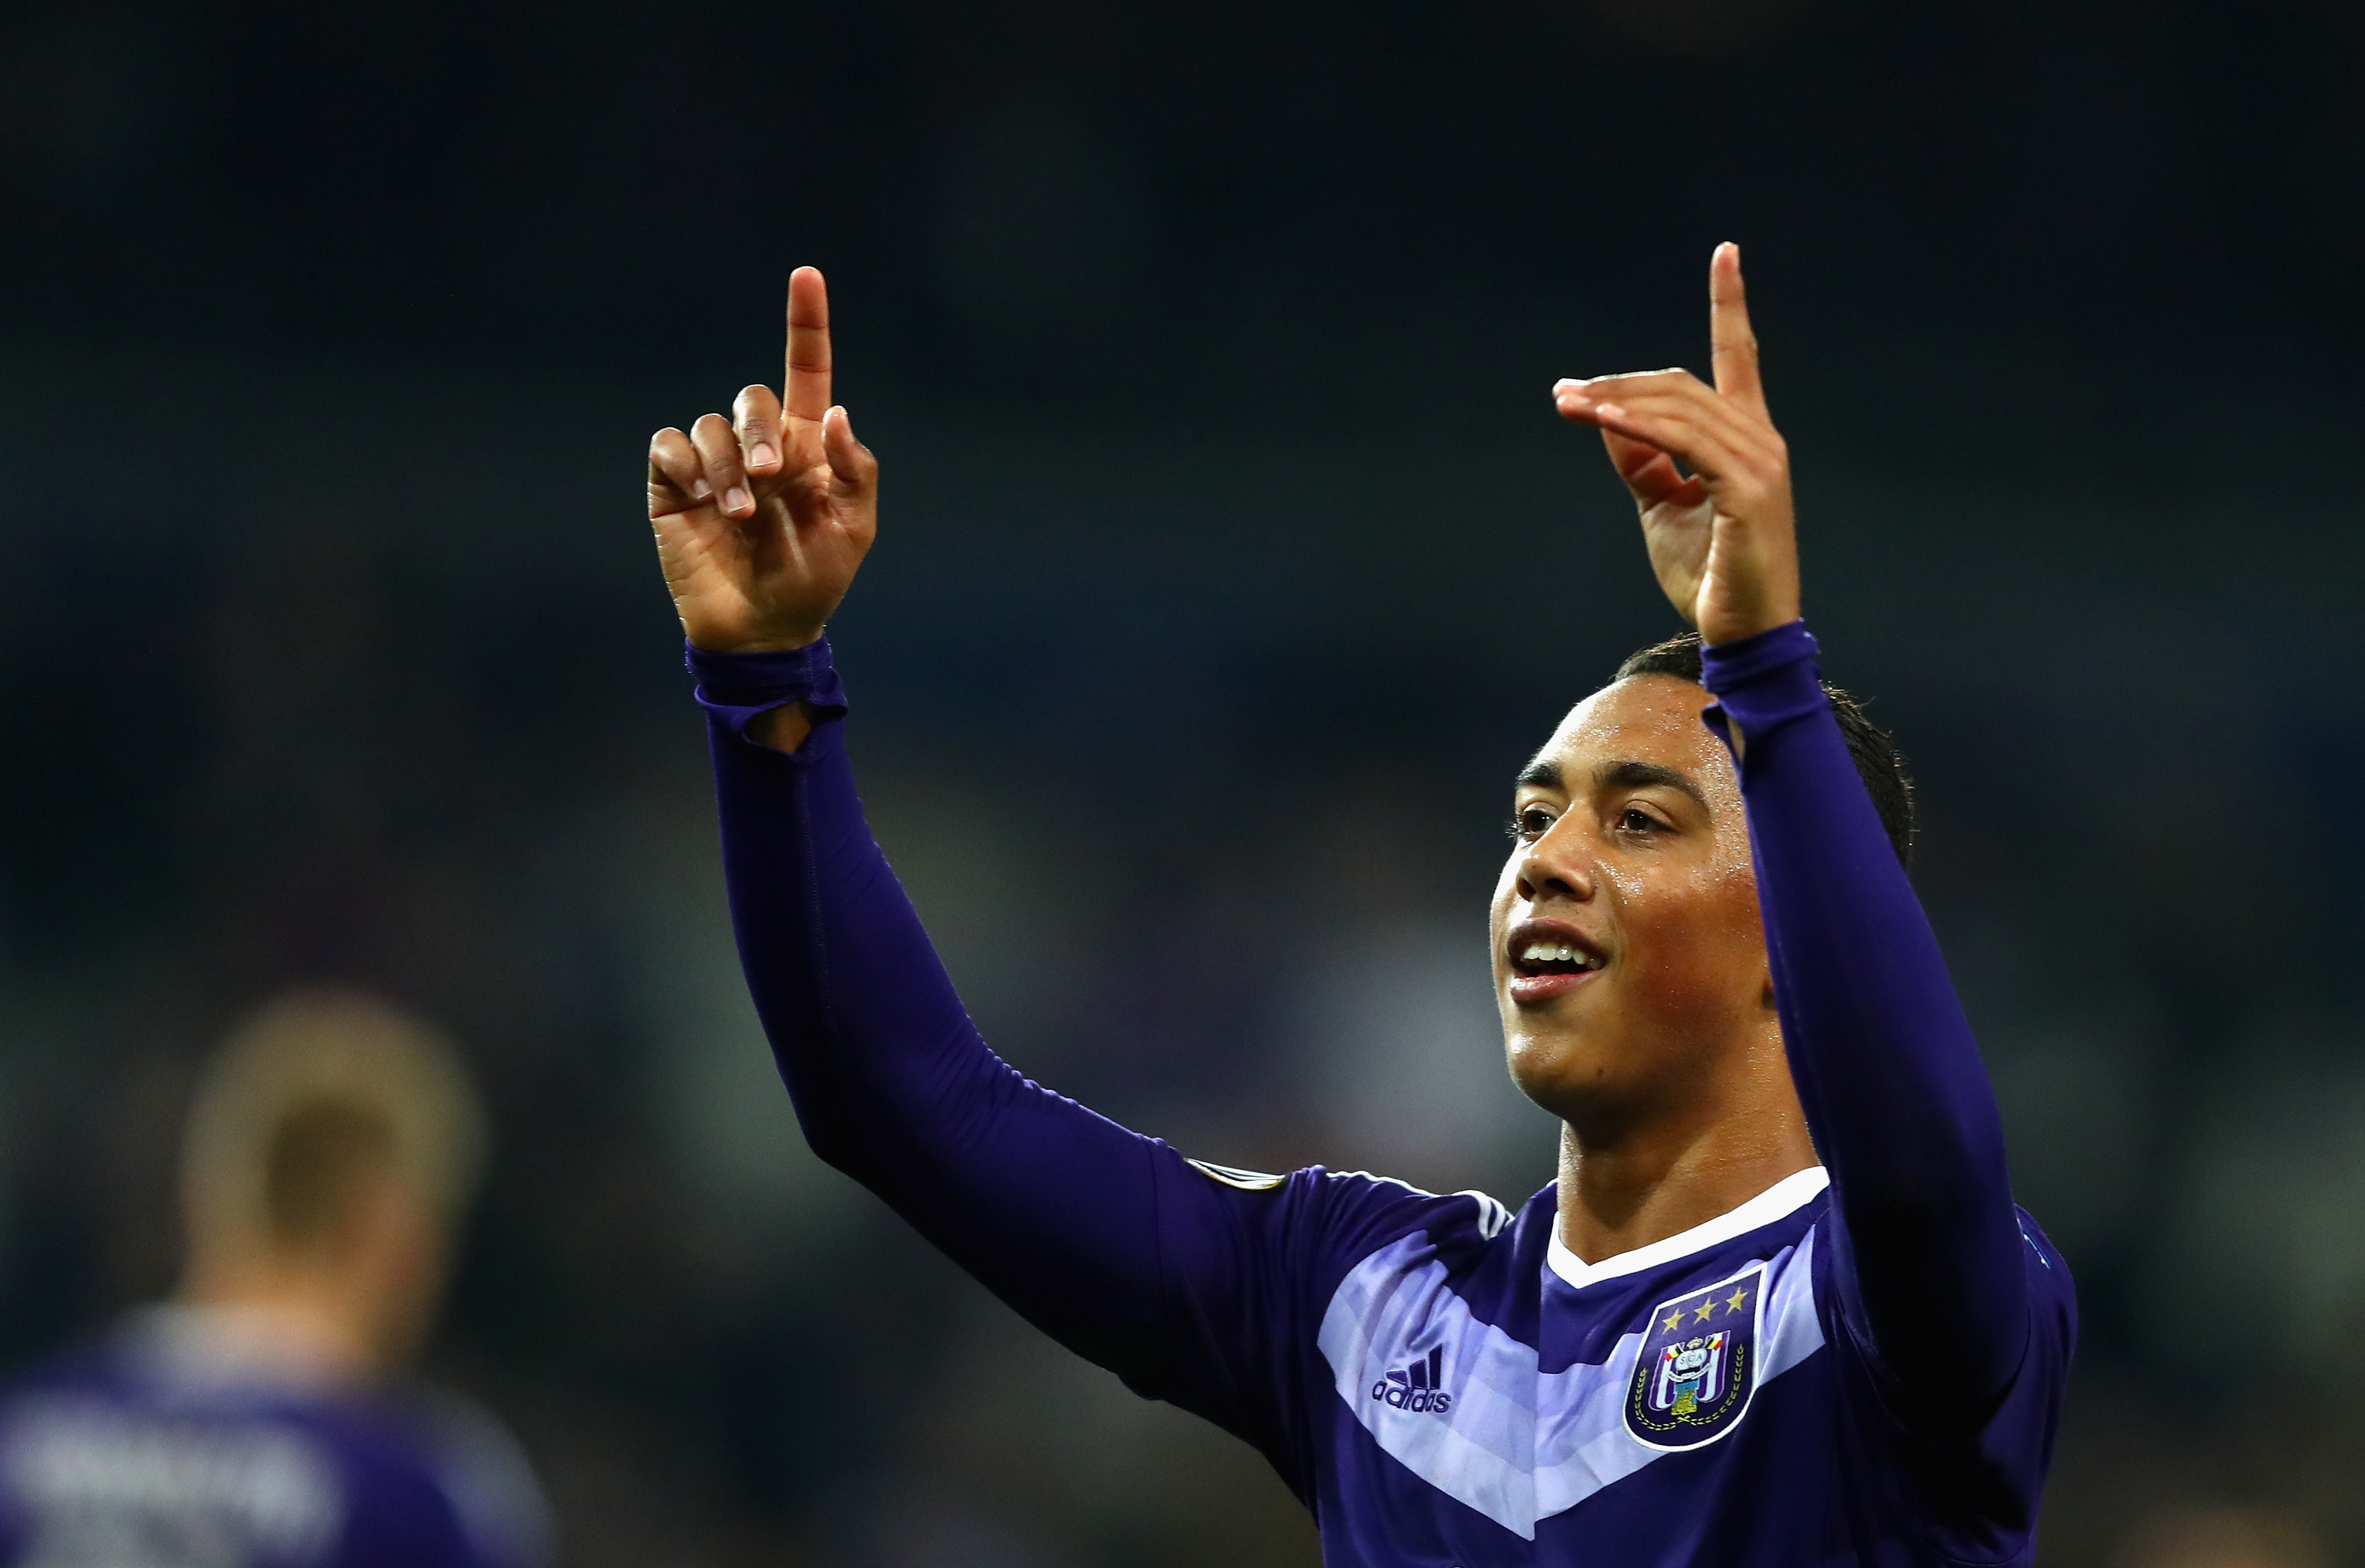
(761, 522)
(1934, 1273)
(1106, 1239)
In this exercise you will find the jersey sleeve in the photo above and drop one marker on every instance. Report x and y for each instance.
(1189, 1282)
(1963, 1315)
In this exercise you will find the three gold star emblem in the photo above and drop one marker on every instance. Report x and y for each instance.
(1701, 1314)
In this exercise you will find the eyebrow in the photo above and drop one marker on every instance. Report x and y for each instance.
(1648, 775)
(1545, 774)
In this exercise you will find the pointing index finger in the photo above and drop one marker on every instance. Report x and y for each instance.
(806, 389)
(1734, 361)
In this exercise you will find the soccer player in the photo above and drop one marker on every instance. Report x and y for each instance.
(1779, 1307)
(329, 1152)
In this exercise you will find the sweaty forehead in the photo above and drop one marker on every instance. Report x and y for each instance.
(1645, 718)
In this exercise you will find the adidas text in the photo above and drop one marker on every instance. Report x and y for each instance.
(1416, 1387)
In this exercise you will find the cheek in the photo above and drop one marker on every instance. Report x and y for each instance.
(1498, 912)
(1695, 951)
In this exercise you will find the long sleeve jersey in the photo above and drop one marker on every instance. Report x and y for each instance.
(174, 1442)
(1862, 1365)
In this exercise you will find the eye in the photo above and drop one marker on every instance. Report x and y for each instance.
(1529, 823)
(1634, 819)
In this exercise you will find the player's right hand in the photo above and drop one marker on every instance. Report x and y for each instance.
(762, 519)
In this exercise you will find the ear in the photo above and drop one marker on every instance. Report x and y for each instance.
(399, 1269)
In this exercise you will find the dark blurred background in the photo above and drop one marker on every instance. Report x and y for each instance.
(1232, 560)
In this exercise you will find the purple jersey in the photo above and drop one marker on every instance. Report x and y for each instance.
(1863, 1365)
(170, 1445)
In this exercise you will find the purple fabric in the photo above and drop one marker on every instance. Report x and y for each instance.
(892, 1083)
(144, 1448)
(734, 690)
(1905, 1384)
(1890, 1076)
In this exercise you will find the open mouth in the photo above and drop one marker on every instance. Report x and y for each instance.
(1546, 957)
(1549, 960)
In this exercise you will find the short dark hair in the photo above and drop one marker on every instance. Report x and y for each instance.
(1878, 762)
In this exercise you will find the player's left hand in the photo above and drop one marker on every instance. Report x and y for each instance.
(1720, 538)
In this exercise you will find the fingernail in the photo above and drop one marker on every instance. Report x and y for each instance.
(763, 454)
(699, 489)
(734, 499)
(1567, 382)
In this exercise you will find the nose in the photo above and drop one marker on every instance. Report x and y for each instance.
(1557, 865)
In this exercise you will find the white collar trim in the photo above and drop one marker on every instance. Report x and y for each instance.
(1786, 1196)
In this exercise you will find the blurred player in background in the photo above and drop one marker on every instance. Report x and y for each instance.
(1780, 1308)
(329, 1156)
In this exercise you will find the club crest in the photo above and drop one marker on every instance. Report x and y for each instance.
(1698, 1364)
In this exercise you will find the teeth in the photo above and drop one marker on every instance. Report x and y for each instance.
(1555, 953)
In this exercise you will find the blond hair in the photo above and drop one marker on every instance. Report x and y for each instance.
(322, 1093)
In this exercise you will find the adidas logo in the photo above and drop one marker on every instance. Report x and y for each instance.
(1417, 1387)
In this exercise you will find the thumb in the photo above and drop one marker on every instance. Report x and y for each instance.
(853, 469)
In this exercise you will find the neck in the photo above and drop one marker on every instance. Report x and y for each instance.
(1660, 1177)
(311, 1322)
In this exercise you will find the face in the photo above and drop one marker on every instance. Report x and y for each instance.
(1629, 962)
